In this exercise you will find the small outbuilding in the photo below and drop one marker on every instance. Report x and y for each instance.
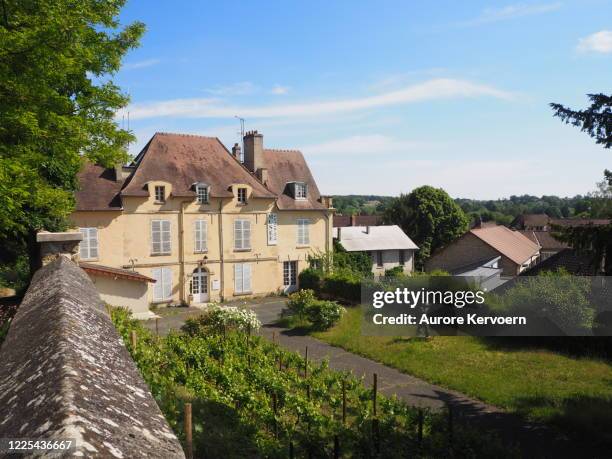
(121, 287)
(388, 246)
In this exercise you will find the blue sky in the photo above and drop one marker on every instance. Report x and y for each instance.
(382, 97)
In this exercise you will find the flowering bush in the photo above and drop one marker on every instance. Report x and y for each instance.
(222, 318)
(324, 314)
(299, 301)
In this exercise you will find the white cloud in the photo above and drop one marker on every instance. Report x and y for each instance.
(516, 10)
(279, 90)
(599, 42)
(236, 89)
(434, 89)
(375, 144)
(141, 64)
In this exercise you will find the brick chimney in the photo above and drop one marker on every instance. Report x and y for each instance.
(262, 175)
(236, 150)
(253, 151)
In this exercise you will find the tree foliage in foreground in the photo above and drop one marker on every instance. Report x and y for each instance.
(429, 217)
(57, 107)
(596, 121)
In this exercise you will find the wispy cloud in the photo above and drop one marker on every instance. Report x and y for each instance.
(516, 10)
(375, 144)
(241, 88)
(435, 89)
(599, 42)
(141, 64)
(279, 90)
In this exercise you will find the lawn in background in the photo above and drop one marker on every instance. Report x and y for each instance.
(572, 393)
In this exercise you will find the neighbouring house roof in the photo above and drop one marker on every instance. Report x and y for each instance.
(567, 222)
(357, 220)
(98, 189)
(183, 160)
(545, 239)
(573, 261)
(511, 244)
(284, 167)
(358, 239)
(524, 220)
(101, 270)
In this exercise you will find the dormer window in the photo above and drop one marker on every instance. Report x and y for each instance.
(242, 195)
(300, 190)
(202, 194)
(160, 193)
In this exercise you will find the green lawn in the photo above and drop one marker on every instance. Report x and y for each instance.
(542, 385)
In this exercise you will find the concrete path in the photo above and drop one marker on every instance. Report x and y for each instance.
(536, 440)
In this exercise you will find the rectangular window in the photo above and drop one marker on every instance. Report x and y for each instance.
(202, 192)
(300, 191)
(242, 195)
(242, 234)
(160, 237)
(201, 235)
(272, 229)
(242, 278)
(160, 193)
(303, 236)
(289, 273)
(402, 258)
(89, 244)
(379, 258)
(162, 289)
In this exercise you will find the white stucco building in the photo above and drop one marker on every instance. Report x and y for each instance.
(388, 246)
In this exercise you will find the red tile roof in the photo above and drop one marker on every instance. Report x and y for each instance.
(183, 160)
(98, 189)
(102, 270)
(284, 167)
(545, 239)
(512, 244)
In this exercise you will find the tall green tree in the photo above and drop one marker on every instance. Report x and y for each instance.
(57, 108)
(596, 121)
(430, 217)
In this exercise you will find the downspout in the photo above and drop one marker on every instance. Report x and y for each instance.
(221, 258)
(182, 253)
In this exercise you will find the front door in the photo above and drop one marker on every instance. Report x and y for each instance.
(290, 276)
(199, 286)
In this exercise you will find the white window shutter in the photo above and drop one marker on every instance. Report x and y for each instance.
(166, 241)
(246, 234)
(93, 242)
(238, 278)
(246, 278)
(204, 235)
(167, 281)
(158, 290)
(155, 236)
(238, 234)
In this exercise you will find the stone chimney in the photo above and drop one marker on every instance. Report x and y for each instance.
(262, 175)
(253, 151)
(55, 245)
(236, 150)
(118, 172)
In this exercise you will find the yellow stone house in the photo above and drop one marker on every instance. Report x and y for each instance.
(190, 222)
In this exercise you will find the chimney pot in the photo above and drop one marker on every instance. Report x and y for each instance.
(236, 150)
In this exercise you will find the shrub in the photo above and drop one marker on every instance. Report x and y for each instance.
(343, 284)
(310, 279)
(396, 271)
(299, 302)
(218, 319)
(324, 314)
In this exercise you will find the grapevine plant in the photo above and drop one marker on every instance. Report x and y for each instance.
(251, 398)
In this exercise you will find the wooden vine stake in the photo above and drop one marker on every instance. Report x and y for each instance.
(291, 453)
(344, 402)
(374, 394)
(133, 339)
(157, 326)
(306, 363)
(450, 428)
(188, 432)
(420, 427)
(273, 337)
(375, 424)
(275, 410)
(336, 447)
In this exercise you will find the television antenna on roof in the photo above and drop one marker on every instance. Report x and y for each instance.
(241, 134)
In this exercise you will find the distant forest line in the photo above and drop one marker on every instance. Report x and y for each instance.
(502, 211)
